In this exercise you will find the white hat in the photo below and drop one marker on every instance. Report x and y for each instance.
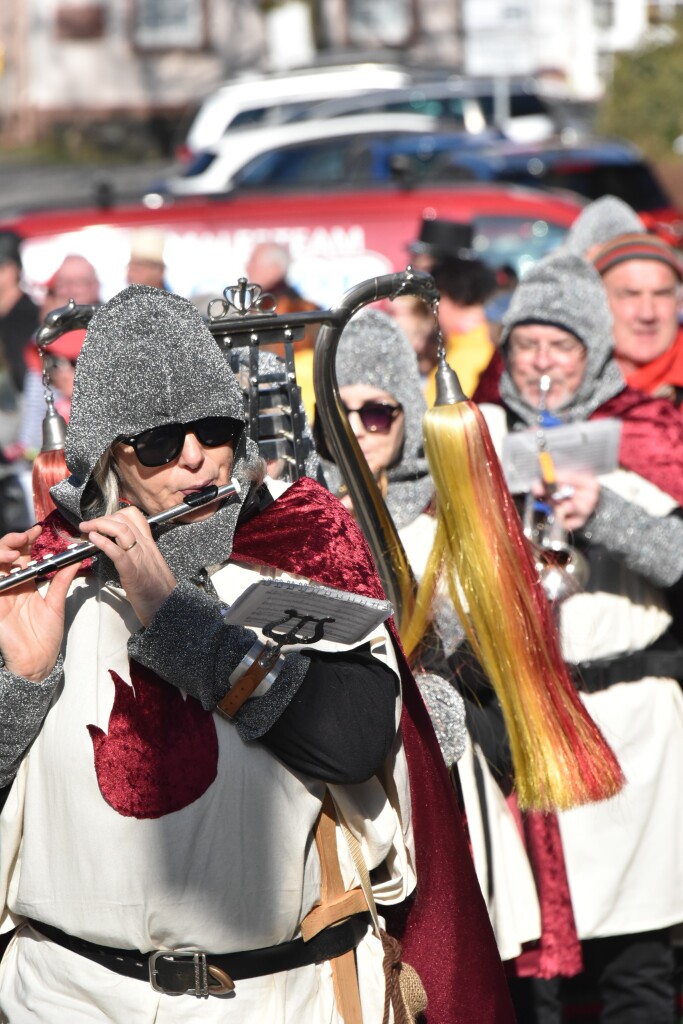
(147, 245)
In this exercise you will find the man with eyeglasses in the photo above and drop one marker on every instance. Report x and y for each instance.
(172, 843)
(619, 635)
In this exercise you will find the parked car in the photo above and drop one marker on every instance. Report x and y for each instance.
(591, 169)
(515, 107)
(331, 162)
(261, 99)
(336, 239)
(356, 159)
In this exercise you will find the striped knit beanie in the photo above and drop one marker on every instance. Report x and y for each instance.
(637, 246)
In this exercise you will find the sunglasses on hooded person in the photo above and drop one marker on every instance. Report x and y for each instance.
(376, 417)
(160, 445)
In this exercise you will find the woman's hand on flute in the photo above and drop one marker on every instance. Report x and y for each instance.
(31, 622)
(127, 540)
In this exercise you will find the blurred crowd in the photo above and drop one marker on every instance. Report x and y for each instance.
(590, 335)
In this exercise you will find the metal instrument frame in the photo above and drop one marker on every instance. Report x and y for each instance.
(248, 318)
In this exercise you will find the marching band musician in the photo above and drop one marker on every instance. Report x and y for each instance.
(380, 388)
(166, 832)
(623, 855)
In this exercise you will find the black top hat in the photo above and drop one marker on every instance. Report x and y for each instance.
(444, 238)
(9, 247)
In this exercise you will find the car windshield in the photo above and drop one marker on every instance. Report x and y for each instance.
(520, 104)
(349, 159)
(354, 160)
(634, 183)
(516, 242)
(450, 109)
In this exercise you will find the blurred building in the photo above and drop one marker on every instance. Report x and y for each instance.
(569, 43)
(119, 71)
(429, 29)
(103, 67)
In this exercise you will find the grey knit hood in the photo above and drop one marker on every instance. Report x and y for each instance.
(599, 222)
(149, 359)
(566, 291)
(373, 350)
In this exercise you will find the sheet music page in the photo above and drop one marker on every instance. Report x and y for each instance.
(591, 447)
(269, 600)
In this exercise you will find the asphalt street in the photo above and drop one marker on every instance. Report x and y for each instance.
(26, 185)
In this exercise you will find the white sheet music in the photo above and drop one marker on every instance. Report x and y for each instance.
(591, 447)
(269, 600)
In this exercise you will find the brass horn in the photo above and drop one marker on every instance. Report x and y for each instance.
(563, 570)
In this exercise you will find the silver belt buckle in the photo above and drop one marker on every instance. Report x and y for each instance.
(208, 979)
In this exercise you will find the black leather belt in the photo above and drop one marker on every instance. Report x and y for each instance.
(593, 676)
(186, 972)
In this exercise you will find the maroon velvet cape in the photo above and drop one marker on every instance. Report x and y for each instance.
(447, 936)
(445, 931)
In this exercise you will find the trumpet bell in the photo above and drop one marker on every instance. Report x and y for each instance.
(562, 569)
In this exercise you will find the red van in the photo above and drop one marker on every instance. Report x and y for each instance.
(335, 239)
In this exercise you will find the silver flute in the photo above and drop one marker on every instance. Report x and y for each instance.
(80, 550)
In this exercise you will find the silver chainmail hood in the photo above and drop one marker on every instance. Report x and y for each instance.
(148, 359)
(599, 222)
(566, 291)
(373, 350)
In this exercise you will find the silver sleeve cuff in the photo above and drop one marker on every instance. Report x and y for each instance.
(447, 711)
(651, 546)
(24, 706)
(256, 716)
(189, 644)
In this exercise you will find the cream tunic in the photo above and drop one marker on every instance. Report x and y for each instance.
(234, 869)
(513, 906)
(624, 856)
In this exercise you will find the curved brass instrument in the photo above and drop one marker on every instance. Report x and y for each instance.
(369, 506)
(243, 319)
(563, 570)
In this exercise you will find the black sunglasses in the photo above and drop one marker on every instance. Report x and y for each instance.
(376, 417)
(160, 445)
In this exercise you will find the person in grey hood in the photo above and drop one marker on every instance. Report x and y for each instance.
(618, 635)
(167, 784)
(380, 388)
(599, 222)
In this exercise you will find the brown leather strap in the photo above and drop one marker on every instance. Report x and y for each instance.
(244, 687)
(333, 911)
(334, 898)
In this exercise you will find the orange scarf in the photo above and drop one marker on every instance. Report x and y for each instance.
(667, 369)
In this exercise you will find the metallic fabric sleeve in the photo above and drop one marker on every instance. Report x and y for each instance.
(651, 546)
(189, 644)
(447, 712)
(258, 715)
(24, 706)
